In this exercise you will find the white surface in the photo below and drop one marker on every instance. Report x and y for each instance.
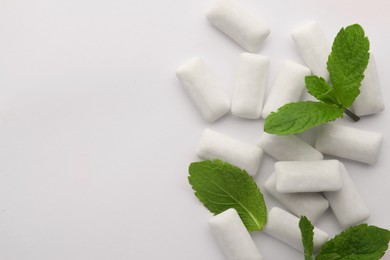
(96, 132)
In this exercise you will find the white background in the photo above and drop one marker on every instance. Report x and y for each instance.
(96, 133)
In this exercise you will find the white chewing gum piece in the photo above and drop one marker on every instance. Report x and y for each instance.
(288, 87)
(240, 25)
(347, 204)
(214, 145)
(313, 47)
(251, 79)
(308, 176)
(288, 148)
(284, 226)
(311, 205)
(203, 88)
(350, 143)
(370, 100)
(233, 237)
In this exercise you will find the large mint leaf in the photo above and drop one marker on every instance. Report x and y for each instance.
(360, 242)
(347, 63)
(220, 186)
(296, 117)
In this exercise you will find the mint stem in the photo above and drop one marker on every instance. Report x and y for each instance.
(351, 115)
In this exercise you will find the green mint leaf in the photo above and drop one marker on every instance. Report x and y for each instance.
(360, 242)
(220, 186)
(307, 232)
(320, 89)
(347, 63)
(296, 117)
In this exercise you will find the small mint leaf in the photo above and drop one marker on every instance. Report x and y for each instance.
(297, 117)
(307, 233)
(320, 89)
(220, 186)
(347, 63)
(360, 242)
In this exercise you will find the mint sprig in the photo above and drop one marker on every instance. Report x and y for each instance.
(346, 65)
(307, 232)
(361, 242)
(220, 186)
